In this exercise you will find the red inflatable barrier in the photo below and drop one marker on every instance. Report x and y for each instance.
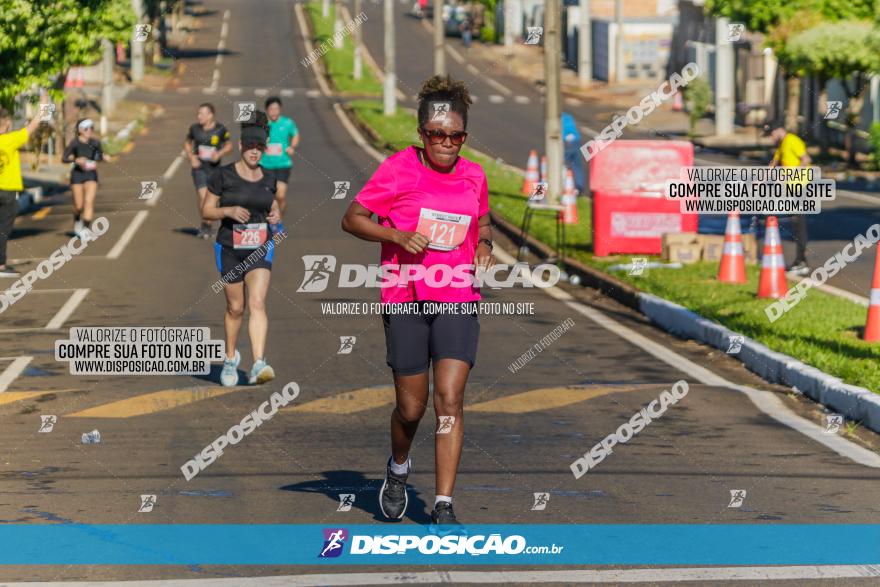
(627, 181)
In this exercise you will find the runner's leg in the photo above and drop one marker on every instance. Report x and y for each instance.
(89, 194)
(257, 282)
(412, 399)
(77, 190)
(234, 313)
(800, 237)
(281, 196)
(450, 378)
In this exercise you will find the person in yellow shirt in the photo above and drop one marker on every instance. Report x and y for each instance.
(10, 177)
(791, 151)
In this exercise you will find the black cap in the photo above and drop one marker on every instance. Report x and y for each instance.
(254, 135)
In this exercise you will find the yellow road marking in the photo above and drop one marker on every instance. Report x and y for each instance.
(157, 401)
(41, 213)
(13, 396)
(548, 398)
(349, 402)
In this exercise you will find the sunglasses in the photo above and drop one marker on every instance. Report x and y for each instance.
(438, 136)
(249, 146)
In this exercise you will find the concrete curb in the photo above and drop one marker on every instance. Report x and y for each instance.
(856, 403)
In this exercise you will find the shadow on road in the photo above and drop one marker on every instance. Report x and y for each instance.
(366, 494)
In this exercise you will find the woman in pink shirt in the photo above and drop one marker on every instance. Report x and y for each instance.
(432, 209)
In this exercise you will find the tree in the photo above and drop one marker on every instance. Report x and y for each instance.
(42, 40)
(781, 19)
(846, 50)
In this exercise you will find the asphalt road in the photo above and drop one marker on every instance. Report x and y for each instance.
(523, 428)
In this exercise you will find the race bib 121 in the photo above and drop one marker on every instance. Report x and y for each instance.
(446, 231)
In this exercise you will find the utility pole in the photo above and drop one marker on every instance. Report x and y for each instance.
(106, 84)
(439, 39)
(585, 45)
(618, 41)
(337, 25)
(390, 86)
(508, 26)
(552, 100)
(723, 79)
(358, 66)
(137, 47)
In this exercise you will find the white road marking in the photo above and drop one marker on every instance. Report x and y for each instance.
(496, 99)
(183, 90)
(473, 69)
(211, 91)
(172, 169)
(67, 309)
(573, 102)
(286, 93)
(521, 99)
(313, 93)
(261, 92)
(225, 28)
(18, 365)
(226, 15)
(126, 237)
(516, 577)
(234, 91)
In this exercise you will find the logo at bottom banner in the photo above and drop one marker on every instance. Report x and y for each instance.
(455, 544)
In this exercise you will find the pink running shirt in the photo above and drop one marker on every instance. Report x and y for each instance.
(400, 192)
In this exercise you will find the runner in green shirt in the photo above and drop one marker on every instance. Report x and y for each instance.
(283, 139)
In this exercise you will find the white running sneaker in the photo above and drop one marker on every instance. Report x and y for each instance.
(78, 227)
(229, 374)
(261, 372)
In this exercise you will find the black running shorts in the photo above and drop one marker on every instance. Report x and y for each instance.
(282, 174)
(412, 341)
(80, 176)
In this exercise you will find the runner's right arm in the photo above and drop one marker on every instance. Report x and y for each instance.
(379, 194)
(359, 222)
(189, 149)
(211, 209)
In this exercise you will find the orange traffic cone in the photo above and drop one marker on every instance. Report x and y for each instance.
(733, 263)
(543, 168)
(569, 213)
(872, 326)
(532, 176)
(772, 283)
(68, 81)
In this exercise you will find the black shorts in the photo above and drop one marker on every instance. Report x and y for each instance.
(201, 175)
(80, 176)
(282, 174)
(234, 264)
(412, 341)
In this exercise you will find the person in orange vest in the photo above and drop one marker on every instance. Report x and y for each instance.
(791, 151)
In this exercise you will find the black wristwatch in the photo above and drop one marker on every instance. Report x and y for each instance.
(487, 241)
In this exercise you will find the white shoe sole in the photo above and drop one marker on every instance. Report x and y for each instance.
(405, 500)
(265, 375)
